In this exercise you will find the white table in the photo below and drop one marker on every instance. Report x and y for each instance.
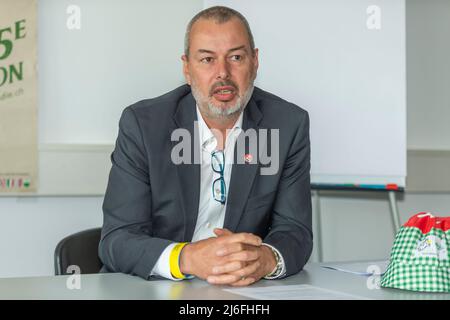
(121, 286)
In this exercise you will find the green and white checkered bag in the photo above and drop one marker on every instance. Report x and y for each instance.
(420, 259)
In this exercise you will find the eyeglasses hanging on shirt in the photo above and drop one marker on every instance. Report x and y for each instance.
(219, 188)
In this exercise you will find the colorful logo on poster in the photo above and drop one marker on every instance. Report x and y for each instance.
(14, 183)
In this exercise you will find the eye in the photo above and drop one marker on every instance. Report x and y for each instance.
(236, 57)
(207, 60)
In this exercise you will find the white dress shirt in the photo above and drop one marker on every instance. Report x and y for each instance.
(211, 213)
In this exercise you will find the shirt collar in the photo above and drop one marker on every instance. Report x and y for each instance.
(207, 138)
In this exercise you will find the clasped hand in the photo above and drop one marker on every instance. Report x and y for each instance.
(236, 259)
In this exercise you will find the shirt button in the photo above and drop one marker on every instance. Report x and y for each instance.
(208, 225)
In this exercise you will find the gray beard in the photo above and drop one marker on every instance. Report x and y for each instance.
(215, 112)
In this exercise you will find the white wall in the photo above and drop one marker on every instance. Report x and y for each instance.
(125, 51)
(428, 72)
(31, 227)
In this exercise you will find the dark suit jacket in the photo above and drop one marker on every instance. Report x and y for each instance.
(150, 202)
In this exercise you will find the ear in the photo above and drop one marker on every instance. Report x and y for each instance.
(186, 73)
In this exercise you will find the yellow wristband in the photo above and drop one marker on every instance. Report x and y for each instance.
(174, 261)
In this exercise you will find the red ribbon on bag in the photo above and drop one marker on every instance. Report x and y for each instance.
(425, 221)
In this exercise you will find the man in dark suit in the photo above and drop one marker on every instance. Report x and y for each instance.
(211, 205)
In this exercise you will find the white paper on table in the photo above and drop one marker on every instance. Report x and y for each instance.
(360, 268)
(293, 292)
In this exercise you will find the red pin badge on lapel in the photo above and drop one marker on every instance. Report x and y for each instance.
(248, 158)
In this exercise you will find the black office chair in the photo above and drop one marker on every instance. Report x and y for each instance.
(79, 249)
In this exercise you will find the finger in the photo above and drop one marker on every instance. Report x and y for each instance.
(235, 276)
(243, 282)
(237, 242)
(231, 248)
(223, 279)
(245, 255)
(229, 267)
(222, 232)
(248, 270)
(247, 238)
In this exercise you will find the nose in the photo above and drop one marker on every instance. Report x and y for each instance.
(223, 70)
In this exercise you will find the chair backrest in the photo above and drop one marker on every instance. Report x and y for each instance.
(80, 249)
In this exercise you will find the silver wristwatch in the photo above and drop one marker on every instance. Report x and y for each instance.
(276, 272)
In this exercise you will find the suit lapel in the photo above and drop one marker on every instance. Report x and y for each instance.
(242, 174)
(189, 174)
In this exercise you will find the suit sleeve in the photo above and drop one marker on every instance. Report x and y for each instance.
(291, 225)
(127, 244)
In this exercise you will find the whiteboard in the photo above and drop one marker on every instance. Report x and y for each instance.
(321, 56)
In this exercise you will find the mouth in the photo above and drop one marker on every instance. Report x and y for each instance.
(224, 93)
